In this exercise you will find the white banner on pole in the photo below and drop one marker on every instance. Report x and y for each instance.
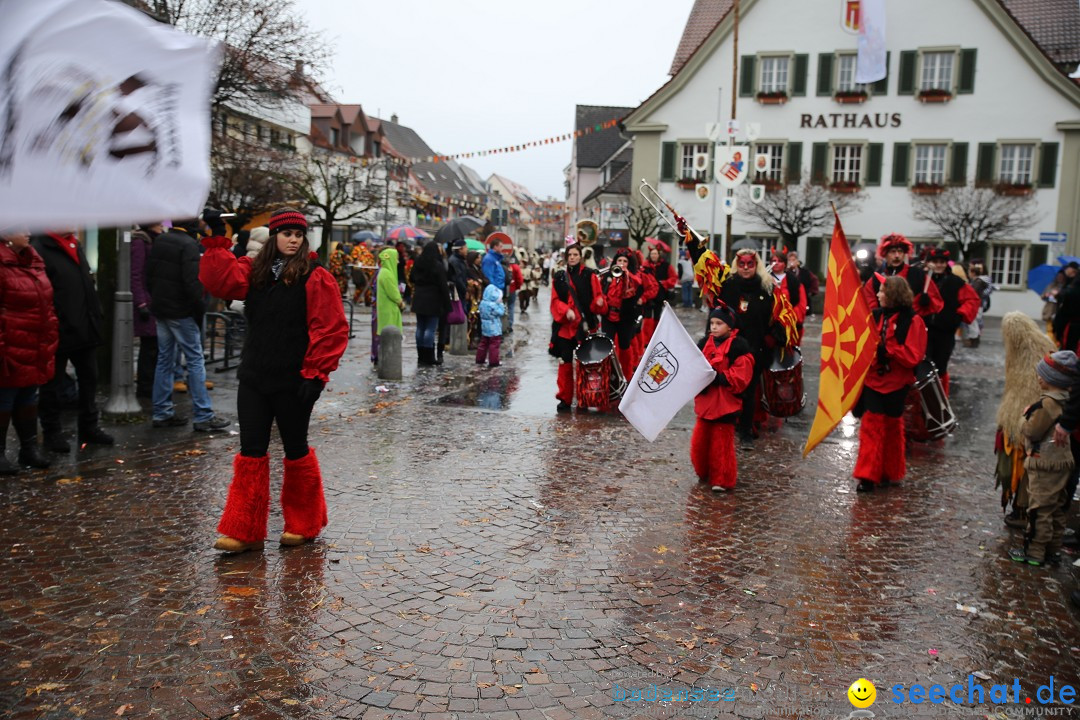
(671, 373)
(104, 115)
(870, 63)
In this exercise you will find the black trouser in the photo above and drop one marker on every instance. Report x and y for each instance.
(939, 348)
(147, 364)
(752, 395)
(622, 332)
(444, 337)
(257, 411)
(85, 362)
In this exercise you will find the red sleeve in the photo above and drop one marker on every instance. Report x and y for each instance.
(599, 302)
(870, 294)
(937, 304)
(518, 280)
(740, 372)
(615, 293)
(651, 288)
(559, 308)
(672, 279)
(800, 307)
(328, 331)
(221, 273)
(969, 304)
(913, 350)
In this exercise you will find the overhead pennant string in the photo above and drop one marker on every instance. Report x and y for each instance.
(587, 130)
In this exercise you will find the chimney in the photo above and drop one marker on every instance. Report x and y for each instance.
(393, 118)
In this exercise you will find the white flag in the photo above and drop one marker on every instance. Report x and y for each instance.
(870, 63)
(104, 115)
(671, 373)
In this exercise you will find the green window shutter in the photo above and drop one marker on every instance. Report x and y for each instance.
(802, 68)
(908, 60)
(901, 157)
(967, 71)
(873, 165)
(1037, 254)
(825, 73)
(667, 161)
(881, 87)
(984, 164)
(958, 171)
(814, 255)
(794, 162)
(1048, 164)
(819, 162)
(747, 66)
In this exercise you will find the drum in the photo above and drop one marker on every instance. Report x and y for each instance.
(929, 416)
(599, 378)
(782, 385)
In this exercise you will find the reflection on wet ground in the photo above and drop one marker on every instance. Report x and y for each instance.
(519, 564)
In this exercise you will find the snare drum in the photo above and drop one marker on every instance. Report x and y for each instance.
(782, 385)
(929, 416)
(599, 378)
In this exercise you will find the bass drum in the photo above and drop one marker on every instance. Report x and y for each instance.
(928, 414)
(782, 385)
(599, 379)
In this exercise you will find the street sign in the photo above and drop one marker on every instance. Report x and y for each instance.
(1053, 237)
(713, 131)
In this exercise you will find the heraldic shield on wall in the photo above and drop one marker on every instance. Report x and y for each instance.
(732, 164)
(660, 369)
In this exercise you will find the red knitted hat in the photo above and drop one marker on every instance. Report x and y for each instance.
(287, 218)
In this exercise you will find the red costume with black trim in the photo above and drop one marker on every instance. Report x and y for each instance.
(881, 405)
(960, 304)
(623, 309)
(305, 327)
(582, 283)
(667, 279)
(927, 298)
(712, 445)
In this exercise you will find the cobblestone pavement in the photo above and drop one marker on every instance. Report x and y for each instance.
(488, 558)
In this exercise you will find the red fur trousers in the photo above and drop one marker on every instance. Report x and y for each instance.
(565, 381)
(302, 502)
(881, 449)
(648, 327)
(712, 452)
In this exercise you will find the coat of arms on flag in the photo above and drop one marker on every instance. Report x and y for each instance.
(849, 16)
(661, 367)
(732, 164)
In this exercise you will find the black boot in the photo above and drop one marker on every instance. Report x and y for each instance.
(6, 466)
(25, 419)
(425, 356)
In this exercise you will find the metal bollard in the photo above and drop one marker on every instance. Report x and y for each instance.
(390, 353)
(459, 339)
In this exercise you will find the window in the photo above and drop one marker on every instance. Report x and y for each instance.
(264, 134)
(1016, 163)
(335, 136)
(689, 153)
(937, 69)
(275, 137)
(930, 164)
(774, 75)
(847, 163)
(1006, 262)
(845, 75)
(775, 170)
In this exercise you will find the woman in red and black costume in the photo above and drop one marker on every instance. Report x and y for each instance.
(894, 250)
(650, 291)
(296, 334)
(624, 301)
(881, 406)
(576, 300)
(666, 278)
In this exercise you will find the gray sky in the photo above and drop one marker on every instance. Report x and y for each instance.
(472, 75)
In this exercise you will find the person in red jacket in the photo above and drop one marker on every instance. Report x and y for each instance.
(881, 406)
(296, 334)
(666, 278)
(576, 297)
(894, 249)
(960, 305)
(29, 335)
(712, 446)
(788, 282)
(624, 300)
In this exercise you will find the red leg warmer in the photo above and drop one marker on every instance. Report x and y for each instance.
(894, 464)
(248, 503)
(872, 440)
(699, 448)
(565, 383)
(648, 327)
(722, 465)
(945, 384)
(302, 503)
(626, 360)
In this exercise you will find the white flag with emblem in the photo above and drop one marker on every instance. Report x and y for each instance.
(104, 115)
(671, 373)
(871, 59)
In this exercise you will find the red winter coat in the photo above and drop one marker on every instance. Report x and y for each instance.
(733, 362)
(904, 353)
(29, 332)
(516, 278)
(919, 281)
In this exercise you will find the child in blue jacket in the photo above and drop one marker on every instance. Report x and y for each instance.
(491, 312)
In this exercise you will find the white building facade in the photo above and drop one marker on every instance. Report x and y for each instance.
(969, 97)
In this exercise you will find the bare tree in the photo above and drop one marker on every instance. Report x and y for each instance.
(641, 221)
(265, 42)
(249, 179)
(796, 210)
(973, 216)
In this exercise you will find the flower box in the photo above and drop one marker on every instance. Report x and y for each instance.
(687, 183)
(851, 97)
(935, 96)
(772, 98)
(844, 188)
(771, 185)
(1013, 190)
(927, 189)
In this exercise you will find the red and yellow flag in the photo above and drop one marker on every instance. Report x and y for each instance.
(848, 341)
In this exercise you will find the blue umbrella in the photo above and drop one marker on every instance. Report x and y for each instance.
(1066, 259)
(1039, 278)
(365, 236)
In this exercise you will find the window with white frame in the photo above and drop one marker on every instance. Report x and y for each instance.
(774, 75)
(845, 75)
(937, 71)
(1016, 164)
(930, 164)
(775, 169)
(1006, 263)
(847, 163)
(689, 154)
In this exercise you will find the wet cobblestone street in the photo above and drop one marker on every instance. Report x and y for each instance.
(487, 557)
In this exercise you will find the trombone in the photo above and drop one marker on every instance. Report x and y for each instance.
(657, 197)
(615, 270)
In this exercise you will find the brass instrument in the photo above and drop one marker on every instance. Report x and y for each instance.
(587, 232)
(615, 270)
(657, 197)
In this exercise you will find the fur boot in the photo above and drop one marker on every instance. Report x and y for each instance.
(565, 392)
(870, 464)
(302, 502)
(894, 464)
(248, 504)
(626, 361)
(722, 465)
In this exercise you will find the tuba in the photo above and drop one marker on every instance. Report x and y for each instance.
(586, 232)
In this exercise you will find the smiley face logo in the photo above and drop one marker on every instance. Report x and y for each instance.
(862, 693)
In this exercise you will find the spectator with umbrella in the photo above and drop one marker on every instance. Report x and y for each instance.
(431, 300)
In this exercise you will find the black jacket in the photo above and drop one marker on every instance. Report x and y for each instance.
(172, 276)
(459, 274)
(431, 293)
(74, 295)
